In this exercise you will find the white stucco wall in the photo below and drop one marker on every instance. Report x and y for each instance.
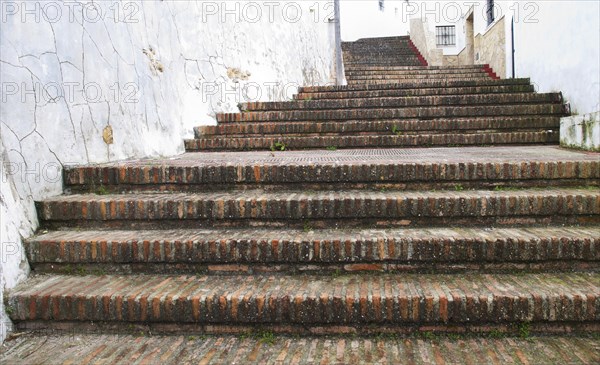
(561, 51)
(581, 132)
(149, 71)
(363, 19)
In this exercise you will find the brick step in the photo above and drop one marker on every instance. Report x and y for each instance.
(350, 73)
(433, 126)
(407, 61)
(420, 76)
(419, 85)
(312, 301)
(423, 112)
(243, 143)
(395, 56)
(524, 131)
(415, 78)
(378, 50)
(382, 39)
(333, 208)
(378, 43)
(413, 62)
(390, 59)
(411, 80)
(378, 53)
(268, 348)
(418, 68)
(465, 90)
(317, 251)
(421, 169)
(408, 101)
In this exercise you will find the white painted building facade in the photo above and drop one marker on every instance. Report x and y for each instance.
(557, 43)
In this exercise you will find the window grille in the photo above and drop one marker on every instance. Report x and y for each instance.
(446, 35)
(381, 5)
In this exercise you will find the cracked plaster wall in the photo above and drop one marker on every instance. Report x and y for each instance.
(114, 80)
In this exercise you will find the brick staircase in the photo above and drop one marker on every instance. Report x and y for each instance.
(391, 101)
(470, 242)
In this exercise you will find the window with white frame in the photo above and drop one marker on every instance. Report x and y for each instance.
(445, 35)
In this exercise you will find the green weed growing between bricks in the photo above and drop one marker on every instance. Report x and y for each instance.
(278, 146)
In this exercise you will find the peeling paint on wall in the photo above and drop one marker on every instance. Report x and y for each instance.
(133, 83)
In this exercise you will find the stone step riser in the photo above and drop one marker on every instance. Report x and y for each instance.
(405, 102)
(376, 127)
(312, 300)
(148, 208)
(416, 92)
(296, 252)
(424, 112)
(216, 143)
(411, 86)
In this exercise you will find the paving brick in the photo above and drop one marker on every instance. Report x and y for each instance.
(252, 349)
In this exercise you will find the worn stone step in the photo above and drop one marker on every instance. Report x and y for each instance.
(408, 85)
(495, 138)
(316, 251)
(489, 167)
(262, 348)
(312, 301)
(464, 90)
(336, 208)
(409, 101)
(422, 112)
(363, 127)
